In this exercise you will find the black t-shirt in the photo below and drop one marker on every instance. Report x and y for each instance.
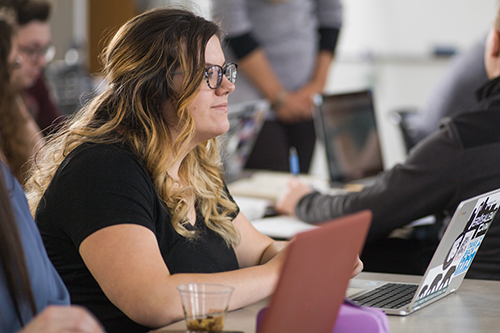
(102, 185)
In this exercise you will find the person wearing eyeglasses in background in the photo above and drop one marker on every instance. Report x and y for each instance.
(35, 46)
(19, 133)
(130, 196)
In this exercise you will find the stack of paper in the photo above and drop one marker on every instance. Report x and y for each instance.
(283, 227)
(269, 185)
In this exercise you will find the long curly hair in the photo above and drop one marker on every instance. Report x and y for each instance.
(139, 65)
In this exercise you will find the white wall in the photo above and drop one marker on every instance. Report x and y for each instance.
(387, 45)
(62, 27)
(201, 7)
(413, 27)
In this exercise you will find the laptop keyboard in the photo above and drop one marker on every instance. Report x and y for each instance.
(389, 296)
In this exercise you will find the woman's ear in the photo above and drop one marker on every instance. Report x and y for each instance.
(171, 118)
(169, 114)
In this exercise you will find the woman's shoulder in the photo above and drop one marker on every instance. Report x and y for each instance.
(103, 155)
(99, 164)
(112, 150)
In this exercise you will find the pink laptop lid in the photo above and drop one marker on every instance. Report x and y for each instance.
(315, 276)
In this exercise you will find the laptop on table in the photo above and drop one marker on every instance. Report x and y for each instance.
(447, 268)
(245, 123)
(314, 277)
(347, 125)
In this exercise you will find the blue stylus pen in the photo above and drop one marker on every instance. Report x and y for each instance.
(294, 161)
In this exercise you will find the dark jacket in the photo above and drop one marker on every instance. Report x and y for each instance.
(458, 161)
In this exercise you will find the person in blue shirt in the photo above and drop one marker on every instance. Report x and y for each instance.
(32, 295)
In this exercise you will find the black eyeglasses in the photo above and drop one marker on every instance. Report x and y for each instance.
(213, 74)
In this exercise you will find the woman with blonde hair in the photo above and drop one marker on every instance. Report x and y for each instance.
(130, 197)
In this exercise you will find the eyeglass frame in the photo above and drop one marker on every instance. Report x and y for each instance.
(34, 54)
(222, 72)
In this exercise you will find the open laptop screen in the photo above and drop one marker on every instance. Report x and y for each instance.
(245, 122)
(347, 122)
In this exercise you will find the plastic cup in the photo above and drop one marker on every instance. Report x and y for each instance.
(205, 305)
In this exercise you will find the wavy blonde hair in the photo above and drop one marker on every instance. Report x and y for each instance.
(139, 64)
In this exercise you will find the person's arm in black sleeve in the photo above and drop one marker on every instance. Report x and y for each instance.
(242, 45)
(328, 38)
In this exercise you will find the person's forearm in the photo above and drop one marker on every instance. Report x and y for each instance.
(250, 284)
(323, 62)
(163, 306)
(316, 207)
(272, 250)
(257, 67)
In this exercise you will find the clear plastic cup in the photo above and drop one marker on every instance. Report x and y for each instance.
(205, 305)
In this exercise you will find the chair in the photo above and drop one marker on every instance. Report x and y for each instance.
(405, 120)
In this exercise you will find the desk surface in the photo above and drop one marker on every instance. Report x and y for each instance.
(474, 307)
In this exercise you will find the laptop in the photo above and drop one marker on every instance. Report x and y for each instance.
(447, 268)
(315, 275)
(347, 125)
(245, 123)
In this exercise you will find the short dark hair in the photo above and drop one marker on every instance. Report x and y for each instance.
(31, 10)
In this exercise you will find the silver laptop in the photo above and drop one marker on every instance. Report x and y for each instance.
(245, 123)
(448, 266)
(347, 125)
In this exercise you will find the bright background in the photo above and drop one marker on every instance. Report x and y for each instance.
(385, 45)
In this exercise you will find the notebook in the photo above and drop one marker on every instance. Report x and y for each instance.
(448, 266)
(347, 125)
(245, 123)
(315, 275)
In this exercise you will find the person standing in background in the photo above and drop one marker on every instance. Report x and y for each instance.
(284, 49)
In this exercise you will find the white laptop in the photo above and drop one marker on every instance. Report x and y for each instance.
(448, 266)
(245, 123)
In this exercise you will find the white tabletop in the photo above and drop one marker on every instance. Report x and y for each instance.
(474, 307)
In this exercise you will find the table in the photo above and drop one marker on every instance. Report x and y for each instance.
(474, 307)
